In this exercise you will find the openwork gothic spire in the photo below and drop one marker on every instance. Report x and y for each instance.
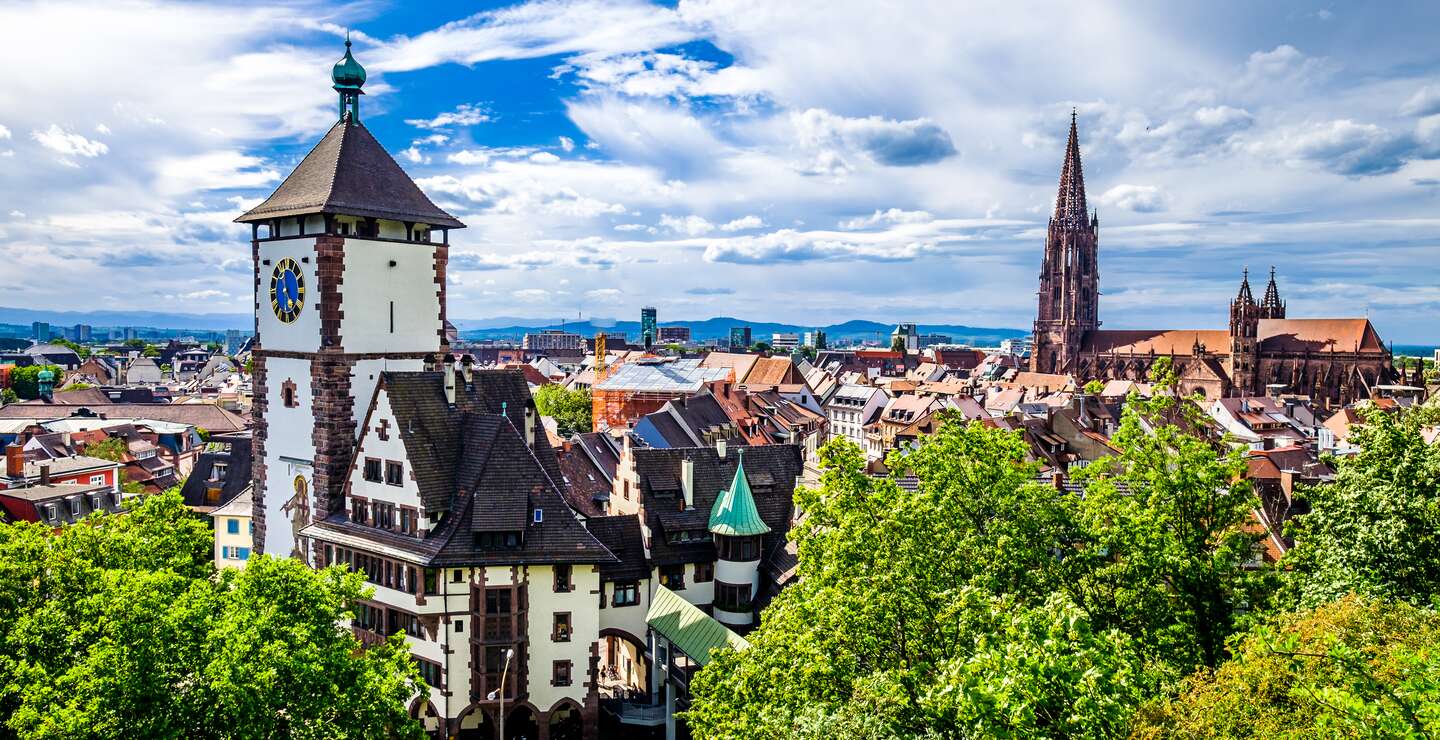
(1245, 295)
(1070, 207)
(1271, 307)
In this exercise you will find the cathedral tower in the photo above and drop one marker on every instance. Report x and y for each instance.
(1244, 340)
(1069, 275)
(1271, 307)
(349, 258)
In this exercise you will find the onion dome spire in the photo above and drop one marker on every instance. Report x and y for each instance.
(349, 77)
(1070, 206)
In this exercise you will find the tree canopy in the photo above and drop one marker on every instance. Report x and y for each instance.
(571, 409)
(24, 380)
(1376, 529)
(120, 627)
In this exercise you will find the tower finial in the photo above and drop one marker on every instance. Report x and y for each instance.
(349, 77)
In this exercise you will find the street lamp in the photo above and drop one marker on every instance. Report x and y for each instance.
(500, 692)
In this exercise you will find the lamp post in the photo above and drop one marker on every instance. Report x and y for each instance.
(500, 692)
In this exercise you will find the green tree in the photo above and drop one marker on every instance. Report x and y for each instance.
(150, 351)
(1094, 388)
(7, 395)
(930, 610)
(1165, 545)
(78, 386)
(571, 409)
(1376, 529)
(121, 628)
(113, 449)
(1354, 667)
(24, 380)
(762, 347)
(136, 343)
(80, 350)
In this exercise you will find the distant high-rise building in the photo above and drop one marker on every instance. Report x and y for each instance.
(785, 341)
(82, 332)
(648, 333)
(674, 334)
(131, 333)
(930, 340)
(815, 339)
(40, 331)
(234, 340)
(553, 340)
(740, 337)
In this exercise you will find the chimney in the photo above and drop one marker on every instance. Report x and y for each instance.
(44, 475)
(14, 461)
(1057, 479)
(466, 367)
(687, 482)
(447, 371)
(720, 447)
(530, 426)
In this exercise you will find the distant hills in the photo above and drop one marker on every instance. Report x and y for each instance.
(501, 327)
(719, 328)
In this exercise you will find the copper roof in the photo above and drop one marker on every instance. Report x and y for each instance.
(349, 173)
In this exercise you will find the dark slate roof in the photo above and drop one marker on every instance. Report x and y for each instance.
(771, 469)
(601, 450)
(433, 431)
(583, 483)
(472, 462)
(237, 472)
(621, 535)
(349, 173)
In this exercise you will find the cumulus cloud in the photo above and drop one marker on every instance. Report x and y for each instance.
(691, 225)
(567, 144)
(4, 132)
(220, 170)
(605, 295)
(709, 291)
(531, 295)
(886, 141)
(1425, 102)
(467, 114)
(1344, 147)
(742, 224)
(67, 144)
(1137, 198)
(886, 217)
(789, 245)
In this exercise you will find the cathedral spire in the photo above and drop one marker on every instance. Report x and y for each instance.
(1245, 295)
(1070, 207)
(1271, 307)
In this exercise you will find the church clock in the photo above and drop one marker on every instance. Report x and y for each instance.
(287, 290)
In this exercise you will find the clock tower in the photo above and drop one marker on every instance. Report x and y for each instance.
(349, 259)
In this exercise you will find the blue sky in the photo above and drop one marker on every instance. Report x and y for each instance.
(796, 161)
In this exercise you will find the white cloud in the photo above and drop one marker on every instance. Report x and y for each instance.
(1425, 102)
(605, 295)
(789, 245)
(544, 158)
(17, 214)
(1342, 146)
(468, 157)
(531, 295)
(4, 132)
(1137, 198)
(213, 171)
(631, 227)
(203, 295)
(101, 128)
(467, 114)
(743, 223)
(886, 141)
(691, 225)
(888, 216)
(414, 155)
(567, 143)
(62, 142)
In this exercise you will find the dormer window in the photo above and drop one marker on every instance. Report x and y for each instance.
(497, 540)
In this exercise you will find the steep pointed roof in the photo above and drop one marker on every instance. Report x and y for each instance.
(1272, 293)
(350, 173)
(734, 512)
(1070, 204)
(1245, 295)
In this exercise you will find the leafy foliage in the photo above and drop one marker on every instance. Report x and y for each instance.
(24, 380)
(1355, 667)
(120, 627)
(926, 611)
(1376, 529)
(570, 408)
(113, 449)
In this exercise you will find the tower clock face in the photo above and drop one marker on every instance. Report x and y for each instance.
(287, 290)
